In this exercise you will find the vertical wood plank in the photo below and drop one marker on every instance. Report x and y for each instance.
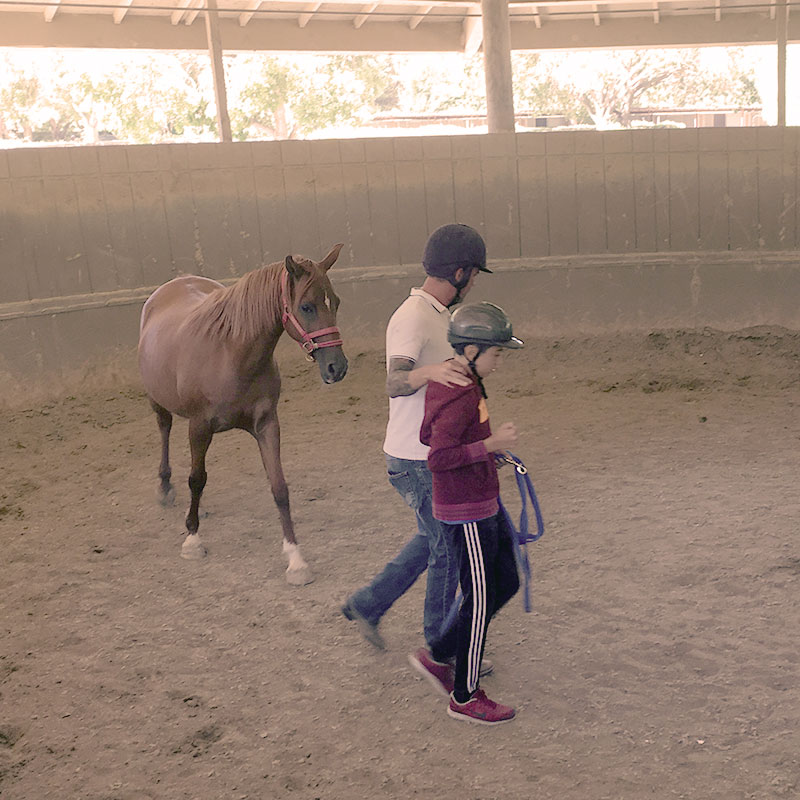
(354, 177)
(13, 269)
(383, 212)
(412, 214)
(501, 207)
(301, 209)
(590, 204)
(440, 206)
(151, 221)
(713, 190)
(743, 182)
(272, 214)
(93, 220)
(770, 199)
(122, 226)
(620, 195)
(534, 217)
(330, 211)
(683, 200)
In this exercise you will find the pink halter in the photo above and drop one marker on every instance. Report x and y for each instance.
(308, 344)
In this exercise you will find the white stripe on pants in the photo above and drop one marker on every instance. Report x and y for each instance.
(478, 630)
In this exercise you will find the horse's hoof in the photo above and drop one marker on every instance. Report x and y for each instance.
(299, 577)
(167, 499)
(193, 549)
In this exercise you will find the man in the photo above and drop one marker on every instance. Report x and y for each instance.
(417, 352)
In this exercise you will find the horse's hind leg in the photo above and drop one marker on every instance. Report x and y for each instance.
(166, 491)
(268, 436)
(199, 440)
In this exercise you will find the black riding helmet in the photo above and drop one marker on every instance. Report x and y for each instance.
(453, 247)
(484, 325)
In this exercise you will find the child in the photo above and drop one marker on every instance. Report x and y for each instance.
(465, 499)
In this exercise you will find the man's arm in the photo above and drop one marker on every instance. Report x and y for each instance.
(403, 378)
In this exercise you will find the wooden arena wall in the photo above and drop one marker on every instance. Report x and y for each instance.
(588, 232)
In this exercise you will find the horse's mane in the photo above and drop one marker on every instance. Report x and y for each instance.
(252, 306)
(245, 309)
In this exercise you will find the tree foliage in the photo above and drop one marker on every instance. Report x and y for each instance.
(154, 97)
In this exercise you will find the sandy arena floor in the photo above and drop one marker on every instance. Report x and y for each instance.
(660, 660)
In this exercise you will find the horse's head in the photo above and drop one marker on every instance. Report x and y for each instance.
(309, 313)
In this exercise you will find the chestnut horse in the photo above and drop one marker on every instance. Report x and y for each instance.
(206, 352)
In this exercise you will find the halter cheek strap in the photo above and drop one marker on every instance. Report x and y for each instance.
(308, 344)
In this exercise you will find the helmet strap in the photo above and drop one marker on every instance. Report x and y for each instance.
(459, 285)
(473, 368)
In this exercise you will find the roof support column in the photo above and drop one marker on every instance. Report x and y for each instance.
(215, 51)
(781, 19)
(497, 65)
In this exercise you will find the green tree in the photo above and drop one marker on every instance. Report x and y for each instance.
(285, 98)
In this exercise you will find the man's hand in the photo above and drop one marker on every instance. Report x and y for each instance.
(504, 439)
(450, 373)
(404, 378)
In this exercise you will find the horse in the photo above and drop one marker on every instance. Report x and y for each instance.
(206, 353)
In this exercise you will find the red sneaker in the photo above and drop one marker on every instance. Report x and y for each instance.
(479, 708)
(440, 676)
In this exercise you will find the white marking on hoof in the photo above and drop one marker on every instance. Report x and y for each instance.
(167, 500)
(298, 572)
(192, 548)
(299, 577)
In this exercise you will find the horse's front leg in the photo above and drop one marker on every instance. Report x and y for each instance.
(200, 434)
(268, 436)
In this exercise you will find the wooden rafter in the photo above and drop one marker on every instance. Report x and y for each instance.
(119, 13)
(191, 13)
(596, 15)
(419, 15)
(656, 13)
(364, 16)
(50, 11)
(717, 10)
(247, 14)
(305, 18)
(473, 34)
(177, 15)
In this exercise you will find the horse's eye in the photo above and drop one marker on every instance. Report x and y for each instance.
(307, 308)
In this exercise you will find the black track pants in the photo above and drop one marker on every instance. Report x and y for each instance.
(489, 580)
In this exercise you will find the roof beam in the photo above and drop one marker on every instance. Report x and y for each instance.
(656, 13)
(419, 16)
(191, 13)
(177, 15)
(311, 9)
(50, 11)
(362, 18)
(247, 14)
(473, 34)
(596, 15)
(119, 13)
(717, 10)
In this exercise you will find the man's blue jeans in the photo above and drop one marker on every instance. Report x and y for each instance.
(432, 548)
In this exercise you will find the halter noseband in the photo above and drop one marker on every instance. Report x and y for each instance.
(308, 344)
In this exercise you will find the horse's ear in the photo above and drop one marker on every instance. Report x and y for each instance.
(293, 268)
(330, 259)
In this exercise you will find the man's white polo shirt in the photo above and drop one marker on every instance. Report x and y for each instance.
(418, 331)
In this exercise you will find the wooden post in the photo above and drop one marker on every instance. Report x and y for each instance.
(215, 51)
(497, 65)
(781, 19)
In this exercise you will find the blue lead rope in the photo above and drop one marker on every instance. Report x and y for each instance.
(521, 535)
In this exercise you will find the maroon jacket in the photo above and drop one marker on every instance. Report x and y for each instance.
(465, 485)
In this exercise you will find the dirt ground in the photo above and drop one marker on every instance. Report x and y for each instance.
(660, 659)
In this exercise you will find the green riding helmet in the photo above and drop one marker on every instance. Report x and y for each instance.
(483, 324)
